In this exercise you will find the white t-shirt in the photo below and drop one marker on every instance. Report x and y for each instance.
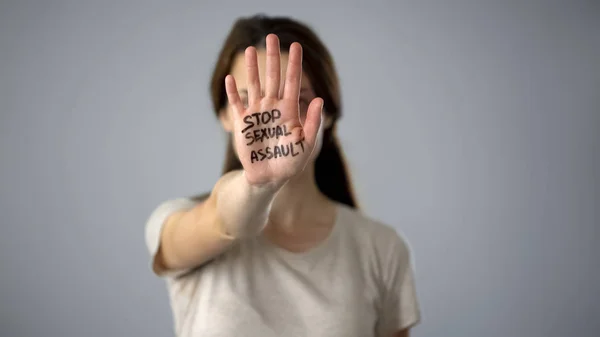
(359, 282)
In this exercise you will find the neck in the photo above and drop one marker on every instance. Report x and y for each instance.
(298, 202)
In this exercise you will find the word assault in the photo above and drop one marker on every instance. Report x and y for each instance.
(277, 151)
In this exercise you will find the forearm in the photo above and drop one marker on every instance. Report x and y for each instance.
(234, 209)
(242, 209)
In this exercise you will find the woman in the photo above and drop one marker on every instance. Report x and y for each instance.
(278, 247)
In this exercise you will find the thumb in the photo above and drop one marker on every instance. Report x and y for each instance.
(314, 116)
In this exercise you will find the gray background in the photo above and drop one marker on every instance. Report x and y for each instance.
(471, 126)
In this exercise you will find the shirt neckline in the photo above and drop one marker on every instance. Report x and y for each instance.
(317, 249)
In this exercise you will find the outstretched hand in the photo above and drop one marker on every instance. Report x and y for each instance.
(272, 143)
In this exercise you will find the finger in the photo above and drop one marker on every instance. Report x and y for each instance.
(312, 124)
(291, 89)
(273, 67)
(232, 95)
(253, 79)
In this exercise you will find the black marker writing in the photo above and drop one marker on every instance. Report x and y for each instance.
(261, 118)
(260, 127)
(277, 151)
(259, 135)
(301, 143)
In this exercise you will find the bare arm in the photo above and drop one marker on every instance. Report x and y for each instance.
(234, 209)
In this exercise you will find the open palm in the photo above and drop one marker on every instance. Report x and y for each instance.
(272, 143)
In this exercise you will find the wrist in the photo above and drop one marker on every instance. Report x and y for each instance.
(268, 188)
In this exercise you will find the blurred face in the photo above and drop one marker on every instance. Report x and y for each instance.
(239, 72)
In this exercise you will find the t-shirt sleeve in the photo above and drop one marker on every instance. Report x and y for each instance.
(155, 224)
(399, 306)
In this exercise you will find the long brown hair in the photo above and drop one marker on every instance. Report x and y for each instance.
(331, 175)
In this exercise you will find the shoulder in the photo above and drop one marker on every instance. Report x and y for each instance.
(176, 204)
(163, 210)
(384, 243)
(157, 217)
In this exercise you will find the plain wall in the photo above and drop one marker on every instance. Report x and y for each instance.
(471, 126)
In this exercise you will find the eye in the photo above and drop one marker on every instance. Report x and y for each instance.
(303, 103)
